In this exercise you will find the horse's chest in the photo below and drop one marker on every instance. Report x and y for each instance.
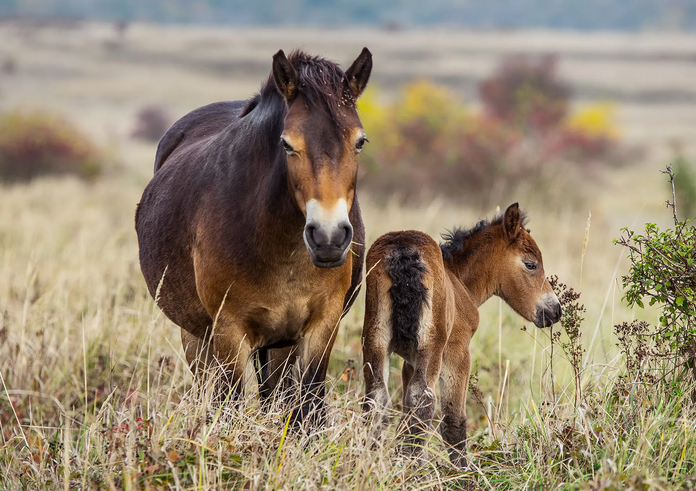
(285, 318)
(292, 300)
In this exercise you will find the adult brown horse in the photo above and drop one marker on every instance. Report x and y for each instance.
(246, 227)
(422, 303)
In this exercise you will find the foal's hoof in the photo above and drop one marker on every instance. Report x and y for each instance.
(461, 463)
(376, 414)
(458, 459)
(415, 452)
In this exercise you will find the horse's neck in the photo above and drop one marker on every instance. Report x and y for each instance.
(474, 267)
(277, 223)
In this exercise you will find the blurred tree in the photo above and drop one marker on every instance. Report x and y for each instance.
(526, 92)
(559, 14)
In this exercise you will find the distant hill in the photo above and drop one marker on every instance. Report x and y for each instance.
(482, 14)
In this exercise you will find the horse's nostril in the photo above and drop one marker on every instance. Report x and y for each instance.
(309, 233)
(348, 234)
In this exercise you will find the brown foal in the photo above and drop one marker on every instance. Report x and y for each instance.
(422, 304)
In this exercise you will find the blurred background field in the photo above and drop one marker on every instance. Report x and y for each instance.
(80, 333)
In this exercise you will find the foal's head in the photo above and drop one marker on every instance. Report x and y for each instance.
(523, 283)
(322, 138)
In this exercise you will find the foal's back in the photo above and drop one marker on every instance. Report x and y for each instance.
(406, 275)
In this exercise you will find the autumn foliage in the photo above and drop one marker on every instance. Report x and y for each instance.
(429, 142)
(33, 144)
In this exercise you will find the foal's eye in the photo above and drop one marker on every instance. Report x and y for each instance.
(530, 266)
(360, 144)
(287, 147)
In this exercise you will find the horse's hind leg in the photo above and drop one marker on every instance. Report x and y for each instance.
(273, 371)
(231, 351)
(376, 337)
(419, 397)
(199, 353)
(454, 382)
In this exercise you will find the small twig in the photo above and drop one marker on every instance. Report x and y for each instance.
(673, 204)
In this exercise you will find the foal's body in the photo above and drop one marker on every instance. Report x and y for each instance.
(245, 228)
(422, 304)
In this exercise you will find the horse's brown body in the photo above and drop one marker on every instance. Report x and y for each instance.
(422, 303)
(226, 242)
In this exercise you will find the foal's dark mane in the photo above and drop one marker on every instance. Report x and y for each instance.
(322, 84)
(454, 240)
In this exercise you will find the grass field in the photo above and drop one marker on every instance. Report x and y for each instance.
(95, 392)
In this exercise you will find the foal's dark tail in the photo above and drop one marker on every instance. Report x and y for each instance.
(409, 296)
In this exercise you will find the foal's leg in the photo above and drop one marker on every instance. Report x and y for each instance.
(454, 382)
(375, 340)
(419, 394)
(376, 373)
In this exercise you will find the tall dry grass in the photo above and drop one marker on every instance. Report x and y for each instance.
(95, 392)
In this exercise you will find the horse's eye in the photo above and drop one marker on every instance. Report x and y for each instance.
(530, 266)
(287, 147)
(360, 144)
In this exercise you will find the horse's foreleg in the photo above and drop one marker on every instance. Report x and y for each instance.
(454, 382)
(231, 349)
(314, 351)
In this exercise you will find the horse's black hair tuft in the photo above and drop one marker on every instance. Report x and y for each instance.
(409, 296)
(321, 83)
(454, 240)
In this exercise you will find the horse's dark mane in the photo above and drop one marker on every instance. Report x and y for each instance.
(322, 84)
(454, 240)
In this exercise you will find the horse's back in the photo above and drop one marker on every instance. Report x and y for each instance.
(167, 209)
(197, 125)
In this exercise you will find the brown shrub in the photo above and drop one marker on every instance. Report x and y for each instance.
(151, 123)
(429, 143)
(526, 92)
(462, 161)
(38, 143)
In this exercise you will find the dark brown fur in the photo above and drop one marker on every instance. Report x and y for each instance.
(221, 226)
(493, 258)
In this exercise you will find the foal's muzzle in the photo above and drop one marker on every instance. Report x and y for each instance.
(548, 311)
(328, 246)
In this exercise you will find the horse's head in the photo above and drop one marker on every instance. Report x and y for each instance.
(322, 138)
(524, 286)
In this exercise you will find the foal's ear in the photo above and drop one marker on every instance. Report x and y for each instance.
(512, 222)
(359, 72)
(285, 76)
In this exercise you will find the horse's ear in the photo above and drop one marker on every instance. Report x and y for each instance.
(285, 76)
(359, 72)
(512, 222)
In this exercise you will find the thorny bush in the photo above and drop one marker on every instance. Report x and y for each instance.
(571, 319)
(663, 270)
